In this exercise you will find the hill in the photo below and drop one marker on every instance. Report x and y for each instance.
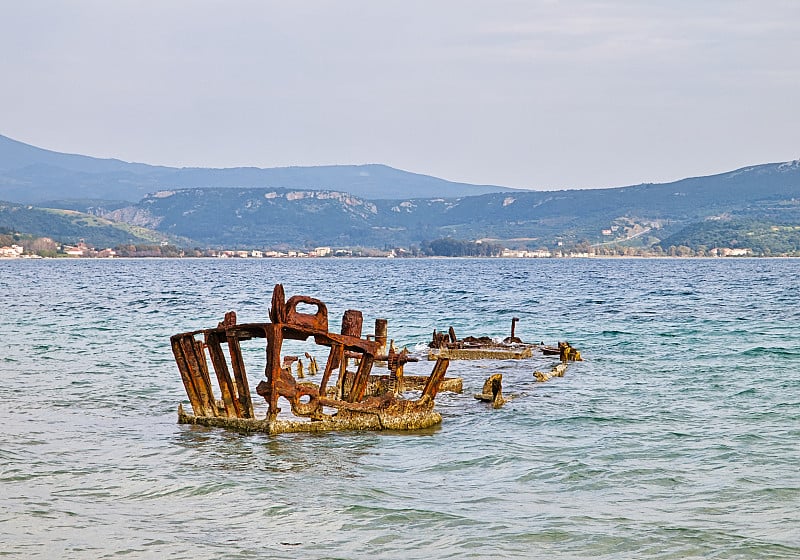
(758, 205)
(34, 175)
(642, 214)
(67, 226)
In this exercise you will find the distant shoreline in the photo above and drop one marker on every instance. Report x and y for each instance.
(245, 259)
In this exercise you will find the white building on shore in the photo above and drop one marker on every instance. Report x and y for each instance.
(12, 252)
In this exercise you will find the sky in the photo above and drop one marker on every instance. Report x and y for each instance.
(536, 94)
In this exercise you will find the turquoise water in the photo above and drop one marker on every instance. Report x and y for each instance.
(677, 437)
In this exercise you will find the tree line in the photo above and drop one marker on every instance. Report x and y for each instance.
(449, 247)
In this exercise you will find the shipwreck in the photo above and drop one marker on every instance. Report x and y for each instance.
(342, 400)
(448, 345)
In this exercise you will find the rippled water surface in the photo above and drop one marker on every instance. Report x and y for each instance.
(677, 437)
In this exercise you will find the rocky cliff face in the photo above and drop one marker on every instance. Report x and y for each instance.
(134, 215)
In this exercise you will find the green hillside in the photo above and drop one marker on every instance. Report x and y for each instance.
(68, 226)
(762, 237)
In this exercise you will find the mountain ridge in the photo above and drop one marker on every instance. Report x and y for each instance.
(29, 174)
(695, 210)
(262, 217)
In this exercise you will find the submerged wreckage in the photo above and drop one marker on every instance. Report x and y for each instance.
(353, 400)
(479, 348)
(448, 345)
(343, 399)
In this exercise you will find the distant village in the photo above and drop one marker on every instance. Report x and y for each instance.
(82, 250)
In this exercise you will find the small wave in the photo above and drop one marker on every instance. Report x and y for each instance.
(585, 418)
(667, 292)
(769, 351)
(615, 333)
(182, 490)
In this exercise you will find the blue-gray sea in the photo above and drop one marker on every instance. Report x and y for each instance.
(678, 436)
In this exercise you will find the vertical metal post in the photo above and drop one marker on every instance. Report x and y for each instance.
(381, 335)
(274, 343)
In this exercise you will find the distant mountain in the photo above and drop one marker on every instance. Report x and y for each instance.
(32, 175)
(645, 213)
(757, 205)
(18, 155)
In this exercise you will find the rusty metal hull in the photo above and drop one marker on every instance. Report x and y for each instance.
(363, 421)
(357, 398)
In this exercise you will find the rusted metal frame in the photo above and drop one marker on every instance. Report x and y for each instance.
(200, 354)
(274, 334)
(399, 379)
(361, 378)
(317, 321)
(200, 382)
(186, 375)
(239, 373)
(435, 379)
(452, 334)
(233, 408)
(346, 343)
(341, 360)
(202, 361)
(287, 324)
(293, 332)
(396, 362)
(350, 342)
(352, 323)
(277, 311)
(334, 356)
(245, 331)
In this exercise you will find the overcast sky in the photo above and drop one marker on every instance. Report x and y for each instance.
(533, 94)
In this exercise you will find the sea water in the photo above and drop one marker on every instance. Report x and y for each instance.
(678, 436)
